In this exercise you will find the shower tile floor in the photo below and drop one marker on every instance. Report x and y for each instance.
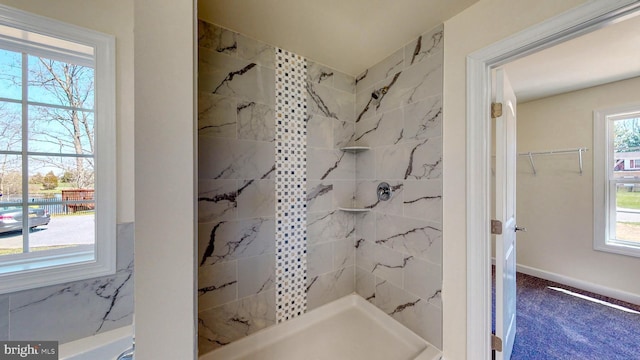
(349, 328)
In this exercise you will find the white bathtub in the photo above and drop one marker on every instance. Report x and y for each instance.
(104, 346)
(349, 328)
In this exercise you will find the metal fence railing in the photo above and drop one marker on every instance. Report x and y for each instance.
(54, 205)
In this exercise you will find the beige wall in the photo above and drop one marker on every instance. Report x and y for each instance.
(480, 25)
(165, 156)
(556, 205)
(114, 17)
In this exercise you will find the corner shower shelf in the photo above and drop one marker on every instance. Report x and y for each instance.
(354, 210)
(355, 149)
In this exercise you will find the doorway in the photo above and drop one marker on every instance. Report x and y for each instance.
(569, 25)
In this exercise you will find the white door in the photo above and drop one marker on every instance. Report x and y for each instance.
(506, 213)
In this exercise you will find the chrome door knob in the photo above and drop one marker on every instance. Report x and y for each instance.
(523, 229)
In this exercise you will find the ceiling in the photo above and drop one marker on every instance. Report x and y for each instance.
(603, 56)
(353, 35)
(347, 35)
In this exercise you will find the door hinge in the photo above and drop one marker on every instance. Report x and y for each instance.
(496, 227)
(496, 110)
(496, 343)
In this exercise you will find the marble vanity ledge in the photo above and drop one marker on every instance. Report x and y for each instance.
(222, 40)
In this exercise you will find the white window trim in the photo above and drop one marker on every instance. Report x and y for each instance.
(105, 155)
(604, 205)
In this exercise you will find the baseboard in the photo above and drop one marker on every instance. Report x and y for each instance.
(580, 284)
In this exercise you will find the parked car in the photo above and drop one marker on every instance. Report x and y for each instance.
(11, 219)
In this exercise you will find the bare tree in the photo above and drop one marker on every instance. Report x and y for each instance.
(68, 127)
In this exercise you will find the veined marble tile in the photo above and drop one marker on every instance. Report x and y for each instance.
(427, 45)
(319, 74)
(229, 76)
(392, 162)
(230, 240)
(319, 196)
(325, 288)
(367, 196)
(380, 130)
(235, 159)
(381, 71)
(344, 82)
(423, 120)
(256, 274)
(344, 192)
(329, 102)
(71, 311)
(213, 37)
(217, 284)
(331, 226)
(319, 259)
(256, 198)
(366, 164)
(366, 284)
(125, 247)
(413, 312)
(381, 261)
(4, 317)
(424, 279)
(414, 84)
(424, 159)
(423, 199)
(343, 253)
(421, 239)
(365, 228)
(217, 200)
(216, 116)
(330, 164)
(320, 132)
(255, 121)
(221, 325)
(343, 133)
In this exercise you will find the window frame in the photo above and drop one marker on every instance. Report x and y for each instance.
(66, 267)
(604, 186)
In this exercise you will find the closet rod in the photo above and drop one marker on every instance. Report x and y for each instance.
(530, 155)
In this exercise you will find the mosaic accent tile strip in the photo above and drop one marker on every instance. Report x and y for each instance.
(291, 194)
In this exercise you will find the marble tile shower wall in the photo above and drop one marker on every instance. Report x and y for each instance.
(399, 243)
(74, 310)
(236, 187)
(236, 190)
(330, 184)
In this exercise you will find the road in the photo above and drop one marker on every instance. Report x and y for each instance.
(628, 215)
(62, 230)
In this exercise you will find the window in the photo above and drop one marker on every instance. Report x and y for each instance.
(57, 152)
(617, 180)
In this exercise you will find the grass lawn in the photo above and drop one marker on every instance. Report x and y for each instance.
(628, 200)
